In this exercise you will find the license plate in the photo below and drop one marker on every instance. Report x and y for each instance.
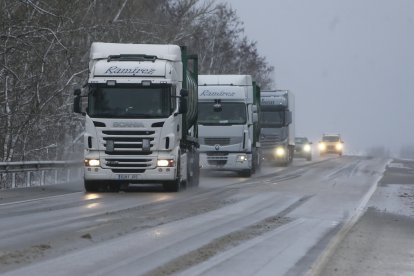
(128, 176)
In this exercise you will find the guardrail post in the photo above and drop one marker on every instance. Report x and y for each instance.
(56, 176)
(13, 180)
(67, 174)
(42, 179)
(28, 180)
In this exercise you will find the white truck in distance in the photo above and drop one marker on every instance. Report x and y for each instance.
(228, 123)
(277, 136)
(140, 121)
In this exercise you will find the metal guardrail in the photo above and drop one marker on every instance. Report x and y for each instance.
(30, 167)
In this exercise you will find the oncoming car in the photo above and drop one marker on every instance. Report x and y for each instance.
(331, 143)
(303, 148)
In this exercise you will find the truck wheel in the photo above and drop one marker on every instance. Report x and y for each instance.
(195, 181)
(175, 185)
(91, 186)
(258, 163)
(309, 158)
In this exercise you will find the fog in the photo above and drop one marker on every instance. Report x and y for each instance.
(349, 63)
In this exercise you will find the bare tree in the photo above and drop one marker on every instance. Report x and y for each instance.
(44, 48)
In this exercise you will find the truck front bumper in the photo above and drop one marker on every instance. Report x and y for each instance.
(159, 174)
(225, 162)
(276, 153)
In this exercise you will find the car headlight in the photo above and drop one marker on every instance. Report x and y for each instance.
(280, 152)
(322, 146)
(307, 148)
(339, 146)
(241, 158)
(92, 162)
(165, 163)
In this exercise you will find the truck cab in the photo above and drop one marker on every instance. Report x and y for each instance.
(331, 143)
(141, 104)
(277, 136)
(228, 123)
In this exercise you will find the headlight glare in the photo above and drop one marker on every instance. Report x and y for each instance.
(338, 146)
(92, 162)
(165, 163)
(280, 151)
(241, 158)
(322, 146)
(307, 148)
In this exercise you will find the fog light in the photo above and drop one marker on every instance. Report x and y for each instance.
(241, 158)
(92, 162)
(165, 163)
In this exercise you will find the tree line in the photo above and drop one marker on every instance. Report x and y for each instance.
(44, 48)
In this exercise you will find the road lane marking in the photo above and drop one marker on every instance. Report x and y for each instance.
(319, 264)
(38, 199)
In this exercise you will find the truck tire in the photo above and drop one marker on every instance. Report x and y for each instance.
(195, 181)
(175, 185)
(259, 161)
(91, 186)
(309, 158)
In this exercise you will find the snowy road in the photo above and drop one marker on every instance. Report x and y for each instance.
(277, 222)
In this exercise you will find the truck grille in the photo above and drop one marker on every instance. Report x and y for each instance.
(128, 142)
(269, 140)
(222, 141)
(217, 158)
(128, 151)
(330, 148)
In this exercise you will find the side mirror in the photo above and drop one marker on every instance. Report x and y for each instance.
(255, 118)
(184, 93)
(77, 101)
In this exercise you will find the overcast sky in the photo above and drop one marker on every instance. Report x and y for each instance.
(350, 64)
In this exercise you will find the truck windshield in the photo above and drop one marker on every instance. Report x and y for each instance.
(330, 138)
(272, 118)
(229, 113)
(130, 102)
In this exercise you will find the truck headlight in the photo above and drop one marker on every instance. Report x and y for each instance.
(307, 148)
(165, 163)
(322, 146)
(92, 162)
(280, 152)
(338, 146)
(241, 158)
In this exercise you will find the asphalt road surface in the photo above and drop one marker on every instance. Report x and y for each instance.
(319, 218)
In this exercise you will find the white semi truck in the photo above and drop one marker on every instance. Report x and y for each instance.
(140, 120)
(277, 136)
(228, 123)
